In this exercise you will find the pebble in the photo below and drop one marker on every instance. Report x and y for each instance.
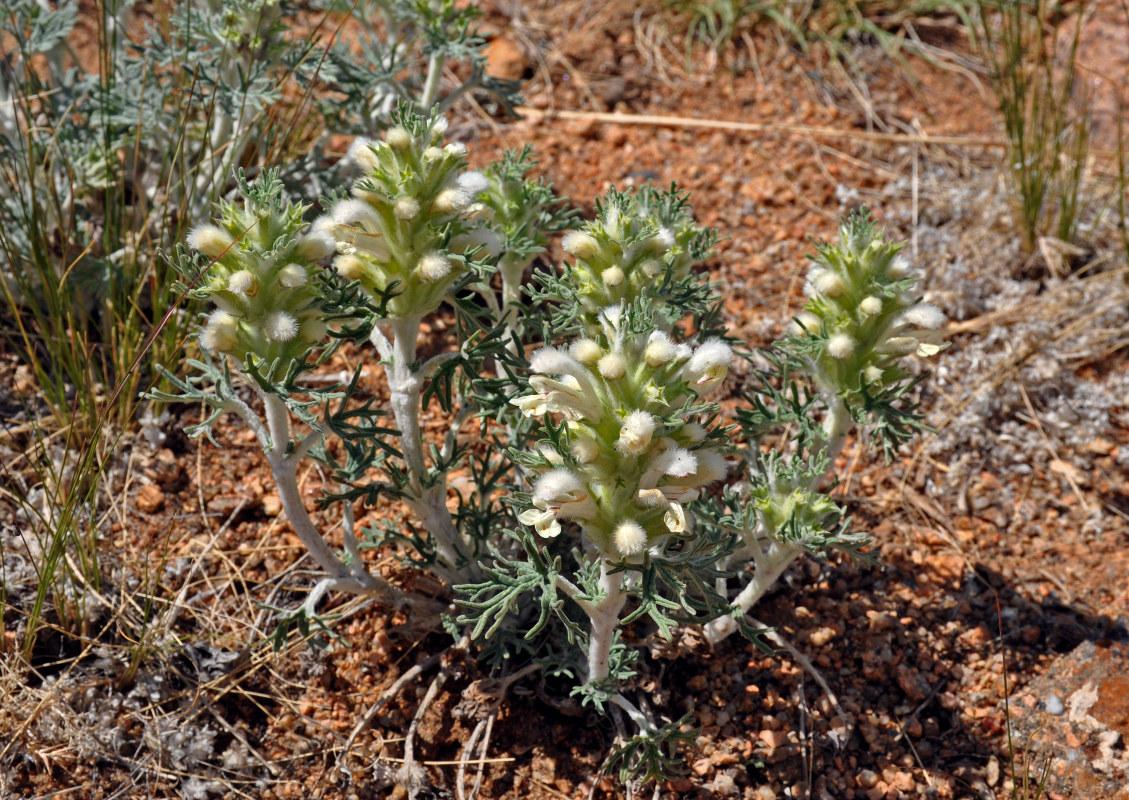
(867, 779)
(773, 739)
(1055, 706)
(150, 499)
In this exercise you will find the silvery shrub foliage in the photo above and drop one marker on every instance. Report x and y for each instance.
(610, 501)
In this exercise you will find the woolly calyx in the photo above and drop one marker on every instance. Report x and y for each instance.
(409, 224)
(628, 436)
(268, 307)
(861, 304)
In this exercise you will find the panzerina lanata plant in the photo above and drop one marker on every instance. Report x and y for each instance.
(611, 492)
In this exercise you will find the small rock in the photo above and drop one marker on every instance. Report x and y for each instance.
(993, 771)
(150, 499)
(723, 785)
(867, 779)
(272, 506)
(773, 739)
(1055, 705)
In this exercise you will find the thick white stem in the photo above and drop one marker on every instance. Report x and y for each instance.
(431, 86)
(605, 620)
(768, 570)
(836, 425)
(429, 501)
(284, 468)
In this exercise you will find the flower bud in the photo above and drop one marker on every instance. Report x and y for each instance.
(660, 350)
(708, 366)
(870, 306)
(220, 335)
(398, 138)
(456, 149)
(805, 323)
(361, 154)
(630, 538)
(280, 326)
(661, 241)
(580, 244)
(405, 207)
(924, 315)
(586, 351)
(827, 283)
(613, 366)
(841, 346)
(434, 266)
(612, 276)
(585, 449)
(211, 240)
(898, 269)
(292, 276)
(635, 433)
(432, 154)
(872, 374)
(473, 183)
(651, 267)
(243, 282)
(450, 201)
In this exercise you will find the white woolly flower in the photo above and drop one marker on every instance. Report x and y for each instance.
(586, 351)
(612, 276)
(613, 366)
(473, 182)
(651, 267)
(211, 240)
(434, 266)
(569, 396)
(924, 315)
(317, 244)
(708, 366)
(405, 207)
(243, 282)
(221, 334)
(292, 276)
(580, 244)
(899, 345)
(557, 494)
(438, 128)
(630, 538)
(280, 326)
(660, 350)
(827, 283)
(451, 200)
(870, 306)
(456, 149)
(553, 361)
(355, 212)
(635, 433)
(898, 268)
(361, 154)
(585, 449)
(841, 345)
(872, 374)
(432, 154)
(398, 138)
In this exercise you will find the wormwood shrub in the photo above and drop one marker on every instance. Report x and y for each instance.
(608, 491)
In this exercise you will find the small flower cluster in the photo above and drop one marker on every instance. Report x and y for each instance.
(862, 307)
(633, 245)
(408, 227)
(262, 278)
(634, 449)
